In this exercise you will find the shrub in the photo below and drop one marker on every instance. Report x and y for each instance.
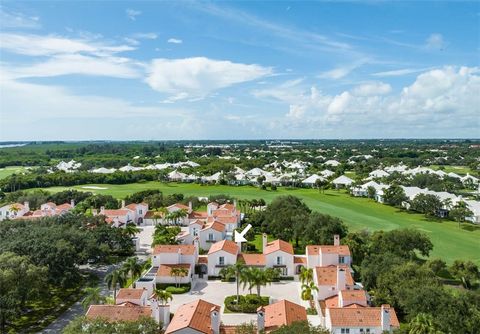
(247, 304)
(183, 288)
(311, 311)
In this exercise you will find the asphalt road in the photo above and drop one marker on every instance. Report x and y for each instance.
(76, 309)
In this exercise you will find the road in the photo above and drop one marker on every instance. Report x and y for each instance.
(76, 309)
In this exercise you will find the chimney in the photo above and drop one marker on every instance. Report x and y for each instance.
(123, 204)
(215, 320)
(385, 317)
(190, 207)
(72, 203)
(340, 299)
(264, 242)
(161, 313)
(26, 205)
(195, 244)
(340, 278)
(102, 209)
(336, 240)
(260, 320)
(179, 255)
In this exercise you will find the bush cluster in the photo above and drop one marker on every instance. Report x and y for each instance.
(183, 288)
(247, 304)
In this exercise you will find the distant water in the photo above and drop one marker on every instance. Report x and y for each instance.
(11, 145)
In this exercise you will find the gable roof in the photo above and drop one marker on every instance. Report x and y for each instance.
(360, 317)
(184, 249)
(122, 312)
(277, 245)
(328, 275)
(225, 245)
(194, 315)
(328, 249)
(253, 259)
(217, 226)
(282, 313)
(125, 293)
(166, 269)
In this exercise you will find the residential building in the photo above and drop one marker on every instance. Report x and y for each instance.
(134, 296)
(14, 210)
(221, 255)
(327, 255)
(278, 254)
(281, 313)
(198, 317)
(342, 182)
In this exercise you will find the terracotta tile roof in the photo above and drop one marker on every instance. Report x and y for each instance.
(327, 249)
(253, 259)
(125, 293)
(282, 313)
(179, 205)
(133, 206)
(166, 269)
(300, 260)
(331, 302)
(197, 221)
(151, 214)
(215, 225)
(122, 312)
(328, 275)
(225, 220)
(278, 245)
(120, 212)
(184, 249)
(203, 259)
(228, 329)
(194, 315)
(360, 317)
(225, 245)
(64, 206)
(353, 297)
(198, 215)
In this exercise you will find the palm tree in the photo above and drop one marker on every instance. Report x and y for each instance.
(159, 214)
(423, 324)
(93, 296)
(258, 279)
(307, 291)
(131, 229)
(306, 275)
(178, 272)
(113, 278)
(234, 270)
(245, 278)
(133, 267)
(162, 295)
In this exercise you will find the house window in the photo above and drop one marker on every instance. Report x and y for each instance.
(368, 330)
(210, 236)
(195, 232)
(140, 212)
(279, 260)
(345, 331)
(341, 259)
(221, 260)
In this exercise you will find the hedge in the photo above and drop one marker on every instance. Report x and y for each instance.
(183, 288)
(247, 304)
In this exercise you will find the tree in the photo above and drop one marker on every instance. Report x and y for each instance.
(178, 273)
(133, 267)
(246, 328)
(303, 327)
(427, 204)
(82, 325)
(394, 195)
(236, 271)
(371, 192)
(93, 296)
(307, 291)
(466, 271)
(285, 217)
(437, 266)
(460, 212)
(321, 183)
(165, 235)
(320, 229)
(403, 242)
(162, 295)
(258, 277)
(131, 230)
(114, 278)
(306, 275)
(423, 324)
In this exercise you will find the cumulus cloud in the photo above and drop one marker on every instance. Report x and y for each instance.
(372, 88)
(197, 77)
(10, 19)
(174, 41)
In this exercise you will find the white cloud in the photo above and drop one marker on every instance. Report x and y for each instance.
(78, 64)
(372, 88)
(145, 35)
(339, 103)
(343, 71)
(132, 13)
(39, 45)
(9, 19)
(174, 41)
(399, 72)
(197, 77)
(435, 42)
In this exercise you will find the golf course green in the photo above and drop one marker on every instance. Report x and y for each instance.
(450, 241)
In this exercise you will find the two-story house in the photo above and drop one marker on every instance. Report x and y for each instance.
(221, 255)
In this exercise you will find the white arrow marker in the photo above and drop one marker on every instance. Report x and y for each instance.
(239, 236)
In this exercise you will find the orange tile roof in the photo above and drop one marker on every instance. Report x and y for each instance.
(282, 313)
(215, 225)
(203, 259)
(328, 275)
(226, 220)
(64, 206)
(278, 245)
(151, 214)
(180, 206)
(226, 245)
(120, 212)
(353, 297)
(327, 249)
(198, 215)
(194, 315)
(360, 317)
(300, 260)
(125, 293)
(253, 259)
(184, 249)
(121, 312)
(166, 269)
(228, 329)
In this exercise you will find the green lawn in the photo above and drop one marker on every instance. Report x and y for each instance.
(7, 171)
(461, 170)
(450, 241)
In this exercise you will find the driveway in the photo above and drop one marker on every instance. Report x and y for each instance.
(76, 309)
(216, 291)
(146, 238)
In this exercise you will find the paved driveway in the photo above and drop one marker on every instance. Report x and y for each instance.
(146, 238)
(216, 291)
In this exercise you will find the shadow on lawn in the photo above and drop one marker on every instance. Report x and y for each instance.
(469, 227)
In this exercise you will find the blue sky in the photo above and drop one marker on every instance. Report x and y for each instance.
(125, 70)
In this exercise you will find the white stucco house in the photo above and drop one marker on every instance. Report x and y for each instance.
(342, 182)
(13, 210)
(279, 254)
(221, 255)
(327, 255)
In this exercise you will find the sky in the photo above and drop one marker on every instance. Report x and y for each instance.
(133, 70)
